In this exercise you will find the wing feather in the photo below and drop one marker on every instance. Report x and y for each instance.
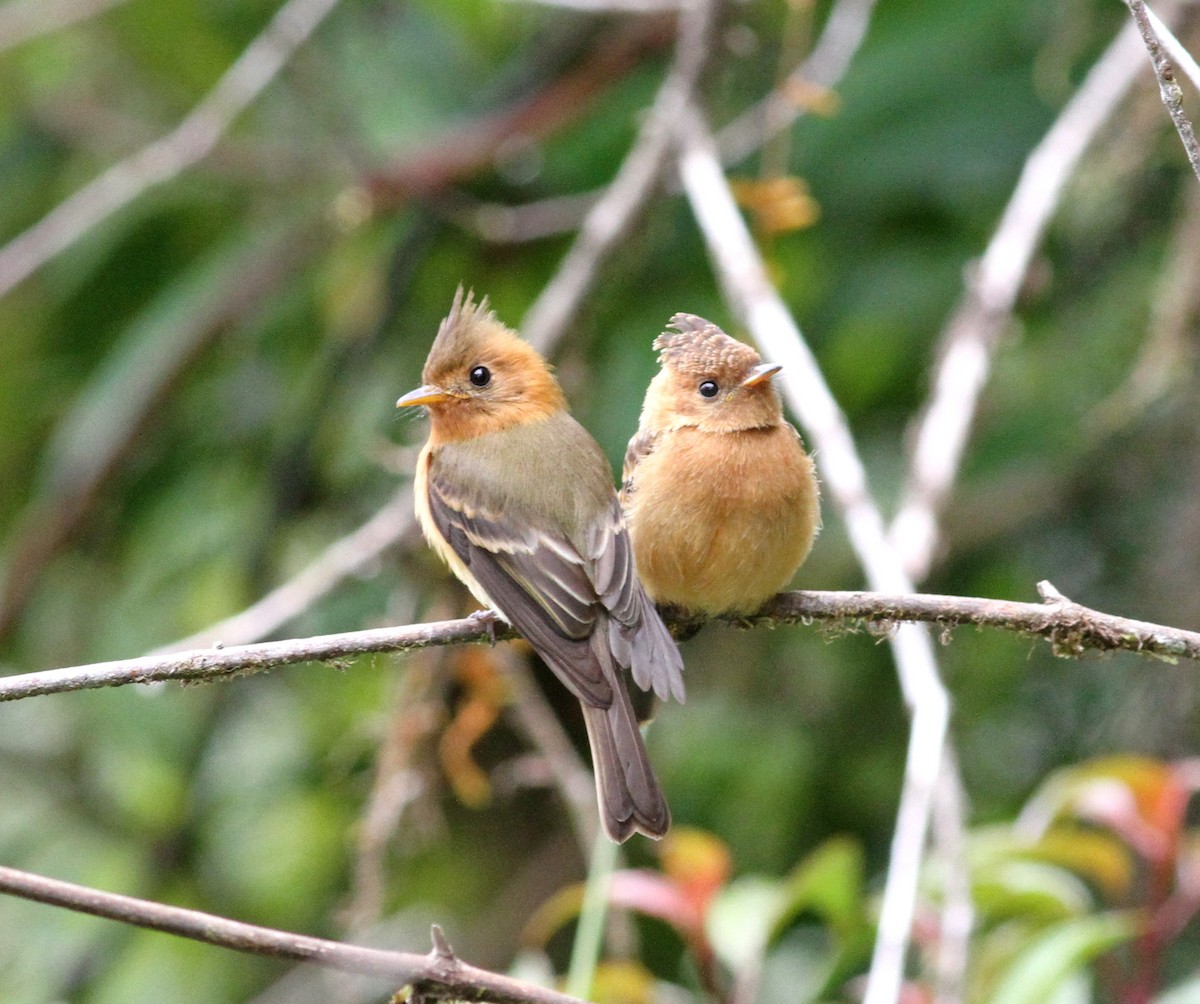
(547, 596)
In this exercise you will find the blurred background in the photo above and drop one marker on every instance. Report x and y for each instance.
(196, 402)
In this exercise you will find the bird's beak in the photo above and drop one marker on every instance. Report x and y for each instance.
(429, 394)
(761, 374)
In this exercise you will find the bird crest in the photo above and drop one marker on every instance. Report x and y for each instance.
(461, 330)
(698, 347)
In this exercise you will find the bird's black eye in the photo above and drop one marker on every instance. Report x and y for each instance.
(709, 388)
(481, 376)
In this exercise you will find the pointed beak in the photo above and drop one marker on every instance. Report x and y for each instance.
(429, 394)
(761, 374)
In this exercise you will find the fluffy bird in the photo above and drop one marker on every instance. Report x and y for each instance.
(518, 500)
(721, 499)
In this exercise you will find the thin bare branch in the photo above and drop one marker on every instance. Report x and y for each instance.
(440, 975)
(958, 907)
(844, 32)
(1168, 87)
(1183, 59)
(95, 435)
(757, 304)
(973, 331)
(1072, 630)
(342, 559)
(612, 216)
(167, 157)
(23, 20)
(217, 662)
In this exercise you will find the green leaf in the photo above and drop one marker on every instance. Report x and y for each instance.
(1061, 952)
(830, 883)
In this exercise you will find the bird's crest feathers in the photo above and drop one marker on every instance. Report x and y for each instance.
(698, 347)
(462, 331)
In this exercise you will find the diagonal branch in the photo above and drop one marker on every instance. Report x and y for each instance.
(167, 157)
(1168, 86)
(22, 20)
(440, 975)
(758, 305)
(844, 32)
(343, 558)
(612, 216)
(974, 330)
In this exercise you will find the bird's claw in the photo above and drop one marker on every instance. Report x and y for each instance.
(486, 619)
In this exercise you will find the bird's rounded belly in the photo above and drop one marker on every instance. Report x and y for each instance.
(725, 536)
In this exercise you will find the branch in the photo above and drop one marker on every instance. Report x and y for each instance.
(973, 331)
(440, 975)
(610, 219)
(844, 32)
(1172, 96)
(343, 558)
(1071, 629)
(758, 305)
(218, 661)
(167, 157)
(22, 20)
(91, 442)
(1185, 60)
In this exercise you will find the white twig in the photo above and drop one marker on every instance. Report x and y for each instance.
(23, 20)
(610, 218)
(342, 559)
(843, 34)
(973, 331)
(958, 910)
(167, 157)
(1183, 59)
(757, 305)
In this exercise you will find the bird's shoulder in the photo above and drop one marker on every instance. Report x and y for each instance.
(642, 444)
(551, 470)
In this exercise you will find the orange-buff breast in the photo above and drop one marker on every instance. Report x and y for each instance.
(720, 521)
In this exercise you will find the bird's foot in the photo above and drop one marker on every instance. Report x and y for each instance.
(486, 619)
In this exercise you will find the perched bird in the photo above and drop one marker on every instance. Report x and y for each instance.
(720, 497)
(518, 500)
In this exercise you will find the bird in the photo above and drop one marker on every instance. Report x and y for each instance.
(721, 499)
(518, 499)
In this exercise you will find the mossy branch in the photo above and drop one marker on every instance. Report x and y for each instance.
(1071, 629)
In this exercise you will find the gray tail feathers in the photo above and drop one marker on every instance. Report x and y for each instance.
(630, 798)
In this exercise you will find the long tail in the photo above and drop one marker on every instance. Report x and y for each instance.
(630, 798)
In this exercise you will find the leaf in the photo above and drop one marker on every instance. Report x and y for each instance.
(697, 862)
(1096, 856)
(1061, 951)
(742, 918)
(830, 883)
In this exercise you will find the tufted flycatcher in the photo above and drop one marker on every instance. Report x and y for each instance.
(518, 500)
(720, 497)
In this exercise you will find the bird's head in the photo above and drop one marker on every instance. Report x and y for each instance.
(710, 381)
(480, 377)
